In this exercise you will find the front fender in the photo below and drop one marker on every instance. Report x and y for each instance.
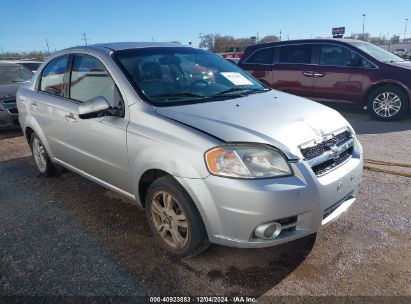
(176, 162)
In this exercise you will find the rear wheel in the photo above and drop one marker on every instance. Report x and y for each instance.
(41, 158)
(388, 103)
(174, 219)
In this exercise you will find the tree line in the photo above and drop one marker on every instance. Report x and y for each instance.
(222, 44)
(34, 55)
(378, 40)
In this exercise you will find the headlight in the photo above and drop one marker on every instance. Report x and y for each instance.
(247, 161)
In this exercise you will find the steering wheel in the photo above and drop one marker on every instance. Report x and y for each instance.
(183, 81)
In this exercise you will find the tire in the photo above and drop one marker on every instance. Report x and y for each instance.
(388, 103)
(40, 156)
(174, 219)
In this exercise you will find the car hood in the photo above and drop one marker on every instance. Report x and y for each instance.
(276, 118)
(402, 64)
(9, 90)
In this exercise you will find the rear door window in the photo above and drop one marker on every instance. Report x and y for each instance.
(296, 54)
(52, 77)
(262, 56)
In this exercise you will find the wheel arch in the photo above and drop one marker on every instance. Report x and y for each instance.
(375, 86)
(146, 179)
(33, 127)
(150, 175)
(28, 132)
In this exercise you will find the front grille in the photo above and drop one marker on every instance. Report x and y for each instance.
(317, 150)
(288, 224)
(329, 152)
(8, 101)
(332, 163)
(13, 111)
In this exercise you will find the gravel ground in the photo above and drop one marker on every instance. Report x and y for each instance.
(67, 236)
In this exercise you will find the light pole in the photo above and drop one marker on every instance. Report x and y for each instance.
(363, 26)
(48, 47)
(405, 30)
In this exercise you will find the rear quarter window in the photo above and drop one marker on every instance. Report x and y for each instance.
(262, 56)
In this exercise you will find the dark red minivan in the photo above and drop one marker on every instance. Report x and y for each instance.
(335, 70)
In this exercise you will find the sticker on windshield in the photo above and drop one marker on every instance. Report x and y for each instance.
(236, 78)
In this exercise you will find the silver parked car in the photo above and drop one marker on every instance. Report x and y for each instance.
(209, 152)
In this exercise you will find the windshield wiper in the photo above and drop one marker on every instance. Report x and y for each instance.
(238, 91)
(176, 95)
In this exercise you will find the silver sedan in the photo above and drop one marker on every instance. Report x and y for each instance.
(210, 153)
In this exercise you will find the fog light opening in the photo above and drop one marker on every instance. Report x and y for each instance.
(268, 231)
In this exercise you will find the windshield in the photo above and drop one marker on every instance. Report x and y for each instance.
(14, 74)
(168, 76)
(376, 52)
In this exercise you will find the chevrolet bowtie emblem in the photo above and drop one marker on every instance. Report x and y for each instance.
(335, 151)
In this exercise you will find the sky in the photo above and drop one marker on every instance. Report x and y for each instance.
(26, 24)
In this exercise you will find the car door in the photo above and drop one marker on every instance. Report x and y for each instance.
(48, 105)
(339, 74)
(293, 71)
(96, 145)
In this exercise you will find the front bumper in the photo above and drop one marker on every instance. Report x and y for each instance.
(232, 209)
(8, 113)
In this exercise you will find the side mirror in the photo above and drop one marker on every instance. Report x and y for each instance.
(93, 107)
(353, 62)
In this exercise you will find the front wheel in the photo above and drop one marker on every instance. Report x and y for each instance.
(174, 219)
(388, 103)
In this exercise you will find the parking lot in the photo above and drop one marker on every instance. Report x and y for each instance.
(67, 236)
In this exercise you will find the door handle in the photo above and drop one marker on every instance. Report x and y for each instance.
(70, 118)
(308, 74)
(34, 104)
(319, 74)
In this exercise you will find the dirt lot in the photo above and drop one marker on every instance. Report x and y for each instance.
(67, 236)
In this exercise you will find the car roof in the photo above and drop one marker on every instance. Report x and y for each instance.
(254, 47)
(106, 48)
(117, 46)
(335, 40)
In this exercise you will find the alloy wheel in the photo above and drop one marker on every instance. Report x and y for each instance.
(387, 104)
(39, 154)
(169, 220)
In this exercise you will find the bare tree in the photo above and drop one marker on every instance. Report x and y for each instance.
(221, 44)
(395, 39)
(269, 38)
(225, 44)
(378, 40)
(208, 41)
(360, 36)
